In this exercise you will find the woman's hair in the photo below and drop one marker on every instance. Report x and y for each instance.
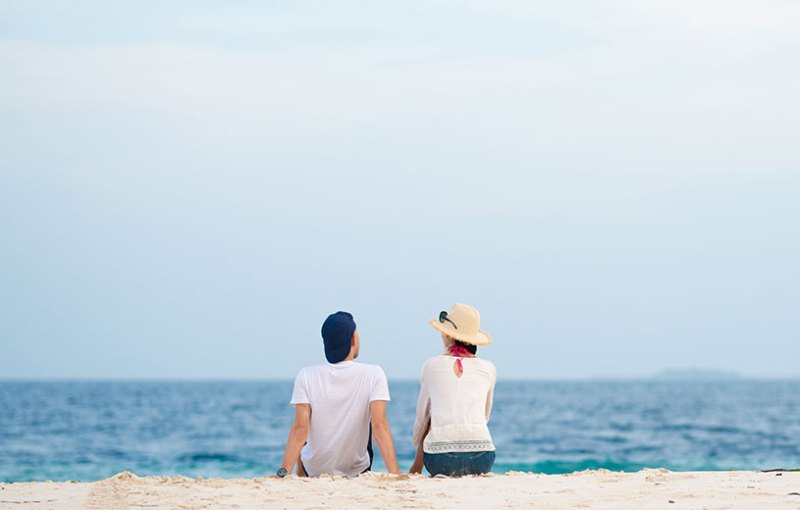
(473, 349)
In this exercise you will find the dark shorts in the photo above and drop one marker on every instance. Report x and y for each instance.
(458, 463)
(369, 450)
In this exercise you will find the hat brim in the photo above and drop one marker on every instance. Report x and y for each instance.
(479, 338)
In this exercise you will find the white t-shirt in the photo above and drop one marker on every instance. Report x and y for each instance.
(339, 395)
(458, 408)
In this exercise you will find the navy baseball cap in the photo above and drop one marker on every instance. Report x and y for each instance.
(337, 331)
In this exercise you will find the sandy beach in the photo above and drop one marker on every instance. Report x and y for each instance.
(588, 489)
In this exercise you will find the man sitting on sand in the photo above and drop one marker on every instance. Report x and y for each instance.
(339, 406)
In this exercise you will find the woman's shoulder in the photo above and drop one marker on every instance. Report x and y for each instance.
(486, 365)
(433, 360)
(485, 362)
(436, 364)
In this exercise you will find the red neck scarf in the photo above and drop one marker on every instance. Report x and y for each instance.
(459, 351)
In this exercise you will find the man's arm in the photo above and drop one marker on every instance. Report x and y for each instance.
(383, 435)
(297, 436)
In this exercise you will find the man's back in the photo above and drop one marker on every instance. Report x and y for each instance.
(339, 395)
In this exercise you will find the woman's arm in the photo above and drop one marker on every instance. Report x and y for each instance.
(489, 401)
(422, 423)
(423, 417)
(490, 395)
(416, 467)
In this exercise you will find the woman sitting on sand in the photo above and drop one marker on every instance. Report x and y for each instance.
(455, 400)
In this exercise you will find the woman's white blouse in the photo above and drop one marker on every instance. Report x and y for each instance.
(458, 407)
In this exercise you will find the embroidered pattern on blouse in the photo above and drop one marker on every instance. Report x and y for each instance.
(480, 445)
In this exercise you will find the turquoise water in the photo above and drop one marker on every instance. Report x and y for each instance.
(91, 430)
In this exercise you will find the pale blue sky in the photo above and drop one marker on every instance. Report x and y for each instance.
(187, 189)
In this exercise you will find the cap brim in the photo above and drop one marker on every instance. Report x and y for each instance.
(480, 338)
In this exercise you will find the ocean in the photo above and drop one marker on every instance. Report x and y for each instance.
(91, 430)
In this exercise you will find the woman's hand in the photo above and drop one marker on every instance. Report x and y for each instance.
(416, 466)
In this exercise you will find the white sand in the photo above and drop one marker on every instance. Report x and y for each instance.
(589, 489)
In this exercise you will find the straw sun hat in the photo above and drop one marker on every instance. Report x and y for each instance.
(462, 322)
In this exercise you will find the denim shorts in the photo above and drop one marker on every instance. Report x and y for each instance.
(458, 463)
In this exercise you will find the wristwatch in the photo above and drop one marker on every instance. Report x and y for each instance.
(282, 472)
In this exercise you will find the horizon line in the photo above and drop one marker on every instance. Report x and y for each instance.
(658, 378)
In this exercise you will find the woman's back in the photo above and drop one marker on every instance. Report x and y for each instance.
(455, 400)
(457, 407)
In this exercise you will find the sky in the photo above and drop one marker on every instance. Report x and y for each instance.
(188, 188)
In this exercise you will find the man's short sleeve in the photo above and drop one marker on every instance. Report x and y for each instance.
(300, 392)
(380, 387)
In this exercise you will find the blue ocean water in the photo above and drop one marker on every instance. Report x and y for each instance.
(91, 430)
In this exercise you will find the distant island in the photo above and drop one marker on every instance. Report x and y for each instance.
(696, 374)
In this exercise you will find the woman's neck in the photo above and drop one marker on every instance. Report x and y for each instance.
(459, 352)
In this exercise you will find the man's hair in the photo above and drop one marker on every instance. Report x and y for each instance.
(473, 349)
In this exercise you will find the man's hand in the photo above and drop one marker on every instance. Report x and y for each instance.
(382, 433)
